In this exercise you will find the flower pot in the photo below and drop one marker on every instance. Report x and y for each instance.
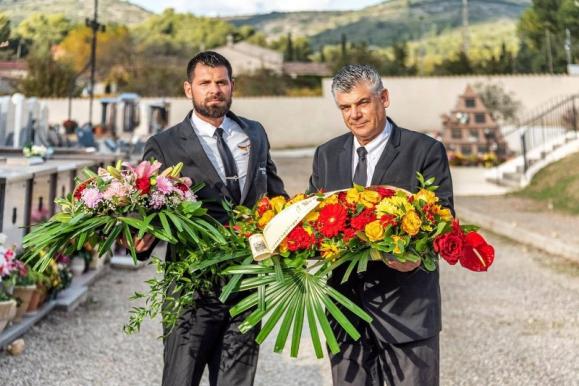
(38, 298)
(24, 293)
(7, 313)
(77, 266)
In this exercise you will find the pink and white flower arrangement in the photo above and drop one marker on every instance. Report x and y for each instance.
(123, 201)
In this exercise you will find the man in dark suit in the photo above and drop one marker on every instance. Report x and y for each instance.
(230, 155)
(400, 346)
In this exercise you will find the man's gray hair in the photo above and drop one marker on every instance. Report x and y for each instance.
(351, 75)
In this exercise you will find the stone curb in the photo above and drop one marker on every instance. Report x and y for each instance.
(514, 232)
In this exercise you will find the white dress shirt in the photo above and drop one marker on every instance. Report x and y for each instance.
(375, 148)
(235, 138)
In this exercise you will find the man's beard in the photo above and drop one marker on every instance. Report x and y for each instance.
(216, 111)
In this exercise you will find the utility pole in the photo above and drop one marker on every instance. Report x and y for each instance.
(568, 46)
(96, 27)
(465, 34)
(549, 51)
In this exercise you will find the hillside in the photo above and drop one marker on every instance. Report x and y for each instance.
(385, 23)
(110, 11)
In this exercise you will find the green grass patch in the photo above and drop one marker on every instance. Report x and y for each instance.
(557, 184)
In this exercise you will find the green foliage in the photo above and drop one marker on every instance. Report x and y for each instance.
(4, 27)
(48, 78)
(43, 30)
(544, 25)
(180, 34)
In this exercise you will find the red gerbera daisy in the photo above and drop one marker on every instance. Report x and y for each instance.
(332, 220)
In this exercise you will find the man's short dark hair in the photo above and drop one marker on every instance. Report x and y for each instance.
(211, 59)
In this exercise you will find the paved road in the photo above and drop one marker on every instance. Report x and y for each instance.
(515, 325)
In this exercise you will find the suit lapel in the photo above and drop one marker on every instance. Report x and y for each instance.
(204, 170)
(253, 153)
(388, 155)
(344, 162)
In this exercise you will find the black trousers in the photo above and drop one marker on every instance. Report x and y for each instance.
(209, 336)
(369, 362)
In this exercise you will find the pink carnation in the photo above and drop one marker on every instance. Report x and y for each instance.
(164, 185)
(115, 189)
(91, 197)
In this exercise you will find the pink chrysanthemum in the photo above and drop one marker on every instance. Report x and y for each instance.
(91, 197)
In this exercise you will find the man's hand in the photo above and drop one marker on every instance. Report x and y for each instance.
(403, 267)
(141, 245)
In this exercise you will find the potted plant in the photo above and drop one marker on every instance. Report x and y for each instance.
(7, 302)
(24, 287)
(41, 291)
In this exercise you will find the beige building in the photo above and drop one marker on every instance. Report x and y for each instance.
(246, 58)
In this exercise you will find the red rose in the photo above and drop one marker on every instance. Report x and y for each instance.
(385, 192)
(143, 185)
(332, 219)
(360, 221)
(449, 246)
(478, 255)
(388, 219)
(299, 239)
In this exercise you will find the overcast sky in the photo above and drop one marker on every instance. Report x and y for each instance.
(244, 7)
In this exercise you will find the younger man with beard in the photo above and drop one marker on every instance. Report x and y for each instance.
(230, 155)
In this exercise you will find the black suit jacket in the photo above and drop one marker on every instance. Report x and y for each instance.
(180, 143)
(405, 306)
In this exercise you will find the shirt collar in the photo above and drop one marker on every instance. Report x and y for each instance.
(205, 128)
(378, 141)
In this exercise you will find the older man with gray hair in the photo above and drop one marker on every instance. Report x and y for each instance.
(400, 346)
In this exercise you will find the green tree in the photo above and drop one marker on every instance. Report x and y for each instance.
(43, 31)
(457, 65)
(47, 78)
(544, 25)
(4, 27)
(501, 104)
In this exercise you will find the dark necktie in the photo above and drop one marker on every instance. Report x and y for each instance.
(231, 176)
(360, 175)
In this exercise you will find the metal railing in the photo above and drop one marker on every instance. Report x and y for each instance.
(543, 131)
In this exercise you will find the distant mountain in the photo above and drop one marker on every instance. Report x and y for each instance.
(110, 11)
(384, 23)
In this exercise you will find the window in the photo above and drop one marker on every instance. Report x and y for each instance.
(466, 149)
(473, 135)
(456, 133)
(480, 117)
(470, 102)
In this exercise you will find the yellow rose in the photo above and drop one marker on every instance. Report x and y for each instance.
(352, 196)
(397, 240)
(329, 250)
(265, 218)
(369, 198)
(297, 198)
(444, 213)
(312, 216)
(427, 196)
(277, 203)
(374, 231)
(411, 223)
(333, 199)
